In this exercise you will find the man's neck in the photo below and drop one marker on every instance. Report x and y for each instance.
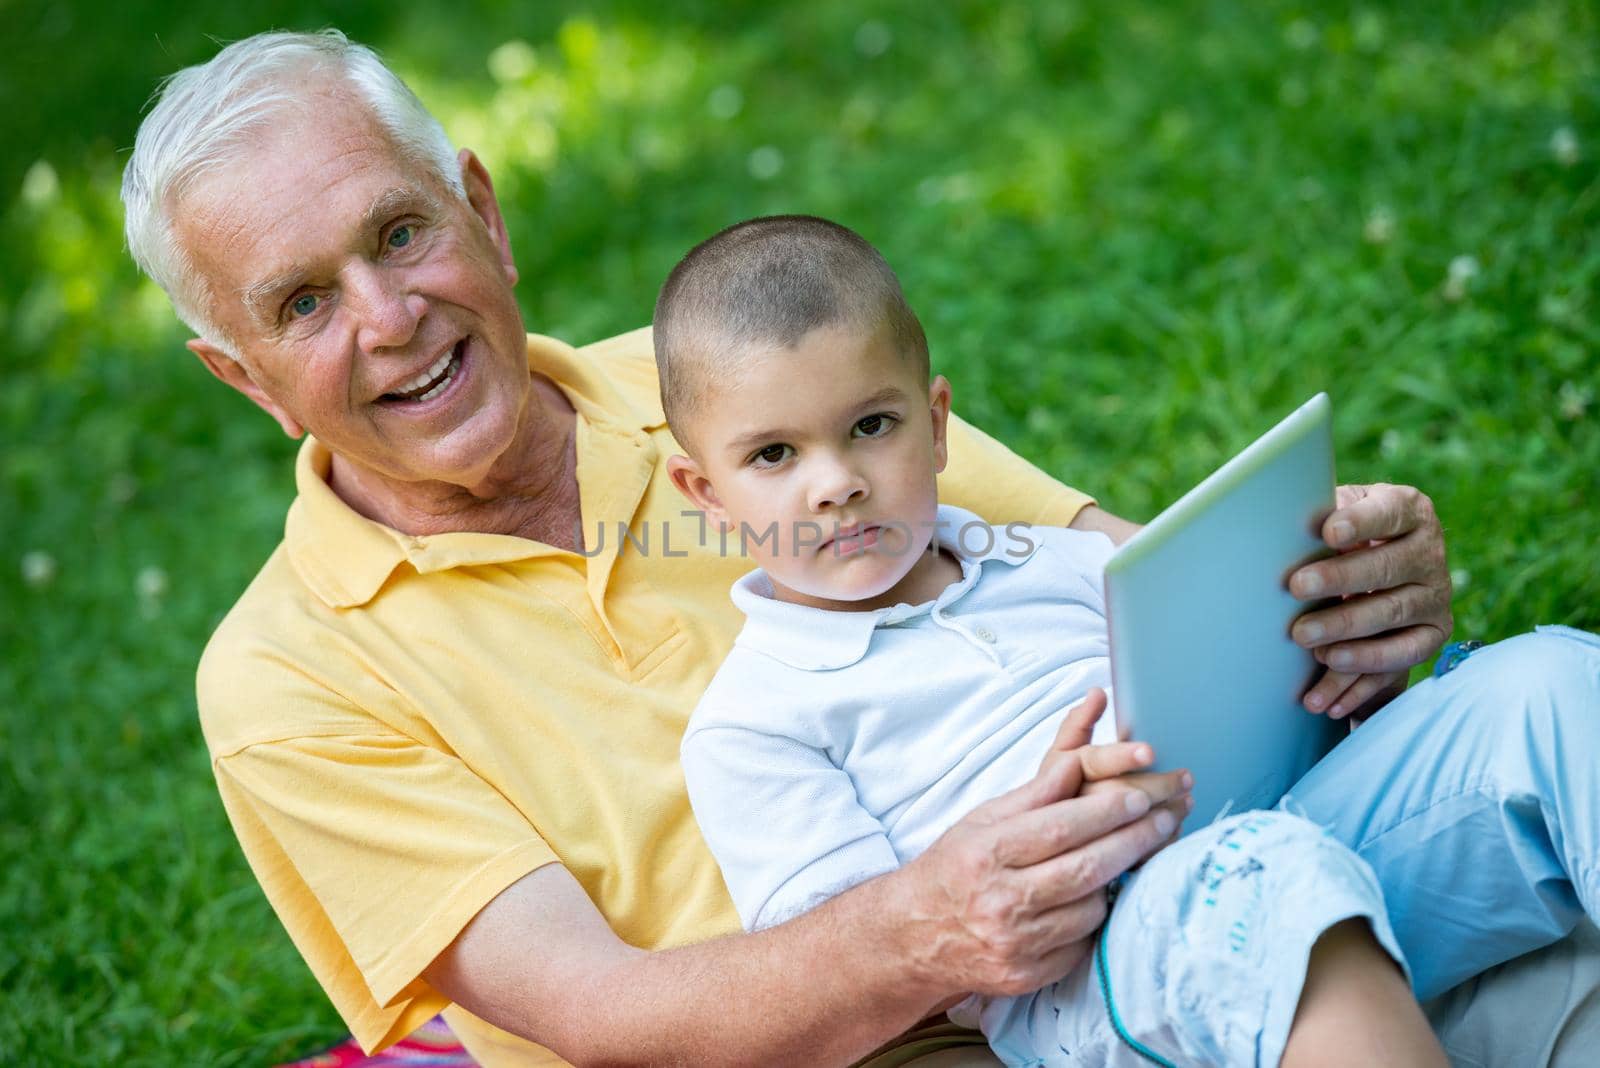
(530, 492)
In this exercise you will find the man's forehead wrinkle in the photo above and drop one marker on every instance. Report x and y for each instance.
(323, 160)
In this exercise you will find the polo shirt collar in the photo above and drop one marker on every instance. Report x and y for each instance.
(820, 639)
(344, 558)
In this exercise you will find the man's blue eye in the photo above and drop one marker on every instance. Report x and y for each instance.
(304, 304)
(400, 237)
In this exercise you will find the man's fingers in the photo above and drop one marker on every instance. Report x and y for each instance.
(1180, 807)
(1159, 786)
(1380, 512)
(1060, 776)
(1396, 651)
(1075, 873)
(1328, 689)
(1077, 728)
(1363, 690)
(1114, 760)
(1369, 614)
(1340, 693)
(1052, 830)
(1375, 567)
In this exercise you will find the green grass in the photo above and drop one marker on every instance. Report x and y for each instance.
(1137, 234)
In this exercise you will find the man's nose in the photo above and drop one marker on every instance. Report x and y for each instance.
(835, 482)
(386, 314)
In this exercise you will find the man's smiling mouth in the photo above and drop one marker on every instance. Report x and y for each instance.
(431, 382)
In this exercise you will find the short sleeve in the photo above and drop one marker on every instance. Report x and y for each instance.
(375, 851)
(783, 822)
(985, 477)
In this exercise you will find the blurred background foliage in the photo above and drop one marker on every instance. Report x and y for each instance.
(1137, 233)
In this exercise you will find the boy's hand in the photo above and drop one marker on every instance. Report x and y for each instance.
(1392, 586)
(1118, 766)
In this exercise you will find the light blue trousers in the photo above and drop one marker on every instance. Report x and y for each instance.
(1475, 797)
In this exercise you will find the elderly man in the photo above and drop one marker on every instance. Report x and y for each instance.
(444, 718)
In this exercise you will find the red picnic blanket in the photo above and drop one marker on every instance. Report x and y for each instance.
(432, 1045)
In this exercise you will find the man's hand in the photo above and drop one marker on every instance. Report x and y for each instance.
(1394, 590)
(1010, 898)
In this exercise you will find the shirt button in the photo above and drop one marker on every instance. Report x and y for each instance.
(986, 634)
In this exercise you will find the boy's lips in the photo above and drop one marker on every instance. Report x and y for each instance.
(852, 539)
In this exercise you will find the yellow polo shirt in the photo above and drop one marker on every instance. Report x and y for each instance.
(401, 727)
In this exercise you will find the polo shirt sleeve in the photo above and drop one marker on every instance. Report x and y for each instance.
(783, 822)
(375, 851)
(985, 477)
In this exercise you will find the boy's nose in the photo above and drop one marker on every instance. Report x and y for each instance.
(836, 484)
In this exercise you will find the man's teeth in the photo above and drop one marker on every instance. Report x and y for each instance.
(430, 374)
(444, 365)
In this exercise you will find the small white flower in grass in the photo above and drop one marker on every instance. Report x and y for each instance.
(1301, 34)
(1460, 577)
(873, 38)
(40, 185)
(1391, 444)
(1379, 227)
(1463, 269)
(38, 568)
(122, 488)
(725, 102)
(1564, 146)
(1554, 308)
(1368, 31)
(1573, 400)
(765, 163)
(512, 62)
(151, 583)
(936, 189)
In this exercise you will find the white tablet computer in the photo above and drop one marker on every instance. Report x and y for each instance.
(1202, 664)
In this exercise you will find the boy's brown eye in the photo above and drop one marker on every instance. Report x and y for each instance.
(771, 454)
(873, 425)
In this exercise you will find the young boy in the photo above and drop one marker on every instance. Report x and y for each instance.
(902, 662)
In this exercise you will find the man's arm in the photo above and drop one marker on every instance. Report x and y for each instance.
(1393, 583)
(1092, 517)
(1003, 903)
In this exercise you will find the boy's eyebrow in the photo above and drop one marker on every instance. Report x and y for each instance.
(261, 299)
(766, 436)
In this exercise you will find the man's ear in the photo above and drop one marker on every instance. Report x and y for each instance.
(693, 484)
(480, 194)
(233, 373)
(939, 406)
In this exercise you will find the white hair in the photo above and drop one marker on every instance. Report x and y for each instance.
(206, 112)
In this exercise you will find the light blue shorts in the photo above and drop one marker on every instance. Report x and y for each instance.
(1205, 953)
(1473, 799)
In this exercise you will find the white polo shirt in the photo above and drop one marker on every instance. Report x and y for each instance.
(835, 746)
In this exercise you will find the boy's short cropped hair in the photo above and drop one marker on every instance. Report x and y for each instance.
(765, 282)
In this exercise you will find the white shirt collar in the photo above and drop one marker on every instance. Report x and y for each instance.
(819, 639)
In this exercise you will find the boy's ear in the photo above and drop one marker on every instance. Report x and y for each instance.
(939, 405)
(693, 484)
(234, 374)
